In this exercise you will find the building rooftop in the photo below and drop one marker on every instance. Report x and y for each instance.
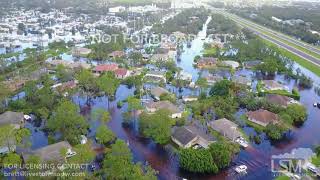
(51, 152)
(158, 91)
(10, 117)
(106, 67)
(163, 105)
(263, 116)
(226, 127)
(278, 99)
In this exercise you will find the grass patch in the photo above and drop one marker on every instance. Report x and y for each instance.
(282, 178)
(210, 52)
(244, 135)
(316, 161)
(284, 93)
(255, 126)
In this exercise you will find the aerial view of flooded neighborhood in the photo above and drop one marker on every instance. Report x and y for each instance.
(160, 89)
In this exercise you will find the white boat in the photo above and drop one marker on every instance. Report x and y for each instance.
(27, 117)
(241, 169)
(242, 142)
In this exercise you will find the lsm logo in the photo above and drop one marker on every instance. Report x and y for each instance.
(293, 163)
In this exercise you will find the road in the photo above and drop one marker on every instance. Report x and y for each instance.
(279, 35)
(299, 48)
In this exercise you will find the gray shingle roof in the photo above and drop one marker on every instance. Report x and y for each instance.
(10, 117)
(51, 152)
(183, 135)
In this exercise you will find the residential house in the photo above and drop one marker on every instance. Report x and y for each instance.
(121, 73)
(157, 75)
(15, 84)
(15, 119)
(252, 64)
(191, 135)
(67, 85)
(217, 43)
(212, 79)
(156, 92)
(53, 152)
(232, 64)
(207, 62)
(179, 35)
(69, 64)
(80, 51)
(159, 57)
(100, 69)
(272, 85)
(242, 80)
(169, 45)
(117, 54)
(226, 128)
(185, 76)
(262, 117)
(189, 98)
(280, 100)
(117, 9)
(167, 105)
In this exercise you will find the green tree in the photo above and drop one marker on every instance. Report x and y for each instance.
(104, 135)
(101, 115)
(63, 74)
(4, 93)
(85, 154)
(270, 66)
(156, 126)
(222, 153)
(136, 58)
(133, 81)
(202, 83)
(10, 136)
(134, 105)
(221, 88)
(274, 131)
(317, 149)
(67, 121)
(197, 161)
(11, 159)
(118, 164)
(87, 83)
(224, 107)
(297, 112)
(108, 84)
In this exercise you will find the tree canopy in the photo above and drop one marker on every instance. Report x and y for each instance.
(67, 121)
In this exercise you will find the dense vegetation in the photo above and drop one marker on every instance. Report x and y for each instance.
(217, 157)
(189, 21)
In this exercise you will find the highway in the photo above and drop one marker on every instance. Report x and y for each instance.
(278, 34)
(295, 46)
